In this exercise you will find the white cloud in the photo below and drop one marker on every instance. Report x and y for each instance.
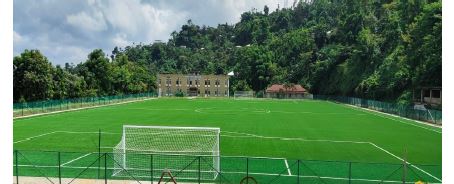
(92, 22)
(17, 38)
(142, 22)
(66, 31)
(120, 40)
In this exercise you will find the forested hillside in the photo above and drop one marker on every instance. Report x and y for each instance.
(372, 49)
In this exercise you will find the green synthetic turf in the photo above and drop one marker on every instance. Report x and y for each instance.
(290, 129)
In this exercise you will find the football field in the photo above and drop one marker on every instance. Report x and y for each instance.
(329, 139)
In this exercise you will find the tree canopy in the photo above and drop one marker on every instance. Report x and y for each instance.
(373, 49)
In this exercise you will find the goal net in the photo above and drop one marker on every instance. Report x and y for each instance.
(189, 152)
(243, 94)
(423, 108)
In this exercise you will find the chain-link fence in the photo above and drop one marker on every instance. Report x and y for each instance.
(39, 107)
(95, 167)
(408, 111)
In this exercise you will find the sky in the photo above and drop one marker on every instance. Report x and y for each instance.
(66, 31)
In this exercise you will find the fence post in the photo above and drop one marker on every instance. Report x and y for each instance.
(59, 168)
(198, 170)
(247, 169)
(105, 167)
(404, 164)
(151, 168)
(298, 172)
(99, 153)
(404, 173)
(220, 170)
(17, 167)
(22, 107)
(349, 172)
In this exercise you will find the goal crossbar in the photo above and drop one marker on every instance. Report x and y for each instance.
(171, 127)
(174, 147)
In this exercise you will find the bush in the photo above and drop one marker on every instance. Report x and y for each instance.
(179, 94)
(259, 94)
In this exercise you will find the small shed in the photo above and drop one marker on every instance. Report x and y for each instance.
(427, 95)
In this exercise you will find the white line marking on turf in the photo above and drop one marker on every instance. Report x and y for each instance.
(386, 151)
(71, 161)
(32, 137)
(370, 143)
(322, 113)
(258, 136)
(286, 165)
(246, 135)
(370, 111)
(72, 132)
(69, 132)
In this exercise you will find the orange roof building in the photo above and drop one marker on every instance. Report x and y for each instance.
(286, 91)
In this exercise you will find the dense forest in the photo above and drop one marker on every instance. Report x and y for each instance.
(376, 49)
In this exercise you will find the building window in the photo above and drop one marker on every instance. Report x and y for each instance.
(426, 93)
(436, 93)
(197, 82)
(190, 82)
(168, 92)
(207, 82)
(217, 82)
(177, 82)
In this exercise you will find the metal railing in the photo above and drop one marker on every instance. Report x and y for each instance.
(432, 116)
(40, 107)
(102, 167)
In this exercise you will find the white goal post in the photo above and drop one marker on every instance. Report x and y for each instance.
(423, 108)
(243, 94)
(185, 150)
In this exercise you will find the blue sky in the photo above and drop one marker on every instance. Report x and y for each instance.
(67, 30)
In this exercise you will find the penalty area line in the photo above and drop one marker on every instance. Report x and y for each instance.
(73, 160)
(401, 159)
(54, 132)
(288, 168)
(32, 137)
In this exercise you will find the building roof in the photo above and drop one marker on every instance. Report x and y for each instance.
(276, 88)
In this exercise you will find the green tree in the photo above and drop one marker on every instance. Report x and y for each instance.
(32, 77)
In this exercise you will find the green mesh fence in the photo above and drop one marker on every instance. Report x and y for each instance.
(88, 167)
(408, 111)
(39, 107)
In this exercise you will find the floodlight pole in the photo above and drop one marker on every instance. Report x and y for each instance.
(228, 86)
(228, 81)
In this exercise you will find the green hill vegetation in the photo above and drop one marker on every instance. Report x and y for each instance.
(371, 49)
